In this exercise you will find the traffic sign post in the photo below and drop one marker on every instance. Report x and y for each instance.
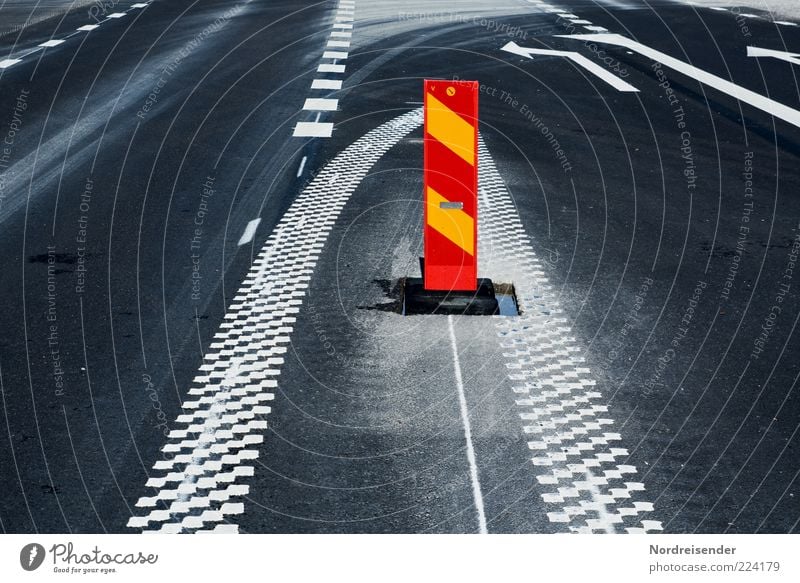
(451, 186)
(450, 283)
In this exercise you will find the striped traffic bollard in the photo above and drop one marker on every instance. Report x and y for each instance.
(451, 186)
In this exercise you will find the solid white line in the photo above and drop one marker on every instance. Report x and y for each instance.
(52, 43)
(328, 68)
(249, 232)
(313, 129)
(326, 84)
(334, 55)
(462, 402)
(757, 100)
(302, 166)
(313, 104)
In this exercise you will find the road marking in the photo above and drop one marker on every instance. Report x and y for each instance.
(313, 129)
(88, 27)
(786, 23)
(52, 43)
(568, 15)
(203, 466)
(116, 15)
(342, 25)
(329, 68)
(581, 21)
(302, 166)
(249, 232)
(757, 100)
(462, 405)
(341, 34)
(339, 43)
(326, 84)
(577, 58)
(596, 28)
(6, 63)
(334, 55)
(316, 104)
(574, 456)
(782, 55)
(138, 5)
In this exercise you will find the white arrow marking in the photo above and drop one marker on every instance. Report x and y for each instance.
(757, 100)
(577, 58)
(783, 56)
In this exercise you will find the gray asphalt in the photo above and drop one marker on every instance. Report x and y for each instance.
(366, 434)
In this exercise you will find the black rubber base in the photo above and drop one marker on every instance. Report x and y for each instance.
(418, 300)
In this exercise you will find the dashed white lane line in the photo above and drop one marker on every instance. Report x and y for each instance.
(574, 456)
(6, 63)
(321, 104)
(330, 68)
(88, 27)
(786, 23)
(52, 43)
(302, 166)
(138, 5)
(249, 232)
(477, 496)
(313, 129)
(116, 15)
(196, 484)
(594, 28)
(752, 98)
(326, 84)
(316, 128)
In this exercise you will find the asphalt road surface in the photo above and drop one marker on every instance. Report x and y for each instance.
(206, 210)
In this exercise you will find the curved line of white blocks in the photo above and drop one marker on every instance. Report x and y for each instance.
(206, 461)
(570, 439)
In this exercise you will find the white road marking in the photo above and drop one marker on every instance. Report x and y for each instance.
(339, 43)
(6, 63)
(757, 100)
(334, 55)
(200, 476)
(596, 28)
(316, 104)
(326, 84)
(329, 68)
(567, 15)
(782, 55)
(88, 27)
(718, 8)
(581, 21)
(313, 129)
(342, 25)
(574, 455)
(249, 232)
(341, 34)
(52, 43)
(579, 59)
(116, 15)
(138, 5)
(344, 19)
(462, 404)
(302, 166)
(786, 23)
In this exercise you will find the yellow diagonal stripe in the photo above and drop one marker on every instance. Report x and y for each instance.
(451, 129)
(454, 224)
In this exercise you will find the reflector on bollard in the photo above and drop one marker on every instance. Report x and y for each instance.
(451, 185)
